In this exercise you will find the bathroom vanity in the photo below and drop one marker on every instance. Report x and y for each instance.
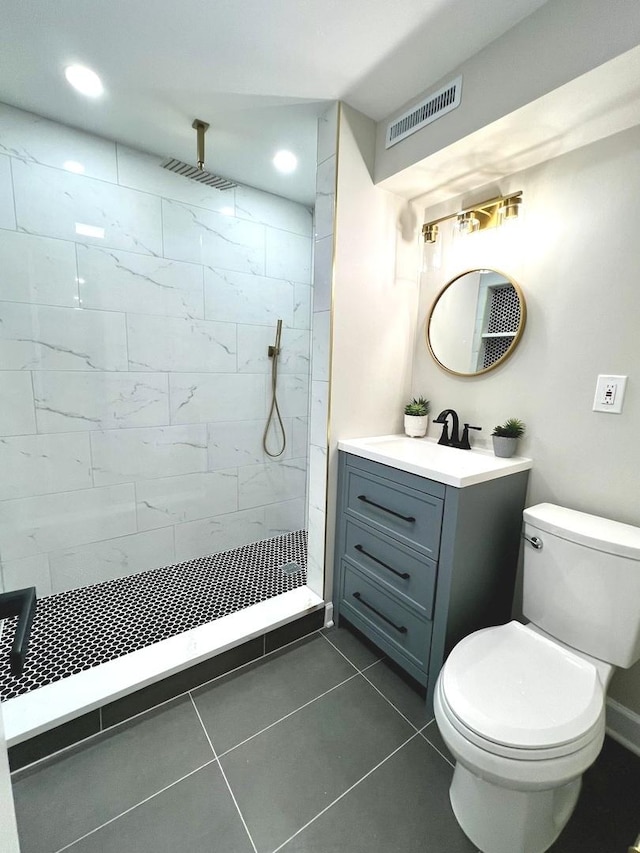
(427, 543)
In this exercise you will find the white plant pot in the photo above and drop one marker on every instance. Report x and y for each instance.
(416, 425)
(504, 446)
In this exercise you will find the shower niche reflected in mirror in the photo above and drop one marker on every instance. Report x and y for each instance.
(476, 322)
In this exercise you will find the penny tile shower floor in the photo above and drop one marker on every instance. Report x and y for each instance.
(319, 747)
(76, 630)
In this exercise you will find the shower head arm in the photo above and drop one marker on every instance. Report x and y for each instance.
(201, 128)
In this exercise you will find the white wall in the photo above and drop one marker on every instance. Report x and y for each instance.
(375, 293)
(134, 374)
(560, 41)
(574, 253)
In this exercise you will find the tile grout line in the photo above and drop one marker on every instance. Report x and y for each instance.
(132, 808)
(290, 714)
(433, 746)
(333, 645)
(224, 775)
(344, 793)
(397, 710)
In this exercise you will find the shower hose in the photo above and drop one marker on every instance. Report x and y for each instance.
(275, 409)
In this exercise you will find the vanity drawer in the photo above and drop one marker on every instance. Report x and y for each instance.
(408, 575)
(412, 517)
(376, 614)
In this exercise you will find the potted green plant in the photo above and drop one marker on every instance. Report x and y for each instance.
(505, 437)
(416, 417)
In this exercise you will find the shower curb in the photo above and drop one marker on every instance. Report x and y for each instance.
(114, 713)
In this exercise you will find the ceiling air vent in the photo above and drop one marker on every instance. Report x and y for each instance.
(428, 110)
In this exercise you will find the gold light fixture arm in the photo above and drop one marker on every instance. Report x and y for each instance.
(201, 128)
(487, 213)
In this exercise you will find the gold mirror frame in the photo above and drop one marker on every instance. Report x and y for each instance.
(514, 343)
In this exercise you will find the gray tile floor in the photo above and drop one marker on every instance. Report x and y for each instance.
(319, 747)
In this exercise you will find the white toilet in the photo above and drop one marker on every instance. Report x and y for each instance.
(522, 707)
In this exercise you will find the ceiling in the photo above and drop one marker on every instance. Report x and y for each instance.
(259, 72)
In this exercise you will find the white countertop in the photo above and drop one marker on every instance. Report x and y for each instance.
(426, 458)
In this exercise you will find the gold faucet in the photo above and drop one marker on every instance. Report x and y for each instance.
(636, 846)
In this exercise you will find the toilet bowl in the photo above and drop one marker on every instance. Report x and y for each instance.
(523, 716)
(521, 707)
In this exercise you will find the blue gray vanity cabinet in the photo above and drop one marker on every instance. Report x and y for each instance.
(420, 564)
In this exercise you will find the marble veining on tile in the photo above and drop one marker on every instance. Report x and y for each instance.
(188, 497)
(34, 139)
(40, 464)
(180, 345)
(38, 269)
(55, 203)
(7, 212)
(122, 456)
(214, 397)
(82, 400)
(235, 297)
(47, 522)
(213, 239)
(38, 337)
(114, 280)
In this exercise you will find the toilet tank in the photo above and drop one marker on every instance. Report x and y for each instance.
(582, 585)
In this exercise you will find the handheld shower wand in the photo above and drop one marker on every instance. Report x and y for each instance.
(274, 352)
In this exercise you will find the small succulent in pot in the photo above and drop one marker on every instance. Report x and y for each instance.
(506, 435)
(418, 408)
(416, 417)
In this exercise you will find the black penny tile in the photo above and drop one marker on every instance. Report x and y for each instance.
(81, 628)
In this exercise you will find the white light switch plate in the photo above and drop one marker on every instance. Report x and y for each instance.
(609, 394)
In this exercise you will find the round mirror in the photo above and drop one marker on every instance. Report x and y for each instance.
(476, 322)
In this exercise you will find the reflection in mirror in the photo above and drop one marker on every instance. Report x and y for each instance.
(476, 322)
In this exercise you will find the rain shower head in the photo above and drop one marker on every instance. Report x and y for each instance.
(198, 173)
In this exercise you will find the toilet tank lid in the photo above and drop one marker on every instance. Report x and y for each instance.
(601, 534)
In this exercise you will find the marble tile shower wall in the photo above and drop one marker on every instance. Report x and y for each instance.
(321, 344)
(136, 308)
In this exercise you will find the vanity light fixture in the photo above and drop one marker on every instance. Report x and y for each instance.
(468, 222)
(430, 233)
(510, 207)
(486, 214)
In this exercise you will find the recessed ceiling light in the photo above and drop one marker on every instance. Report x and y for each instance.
(73, 166)
(84, 80)
(285, 161)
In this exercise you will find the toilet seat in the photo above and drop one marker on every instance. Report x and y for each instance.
(514, 692)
